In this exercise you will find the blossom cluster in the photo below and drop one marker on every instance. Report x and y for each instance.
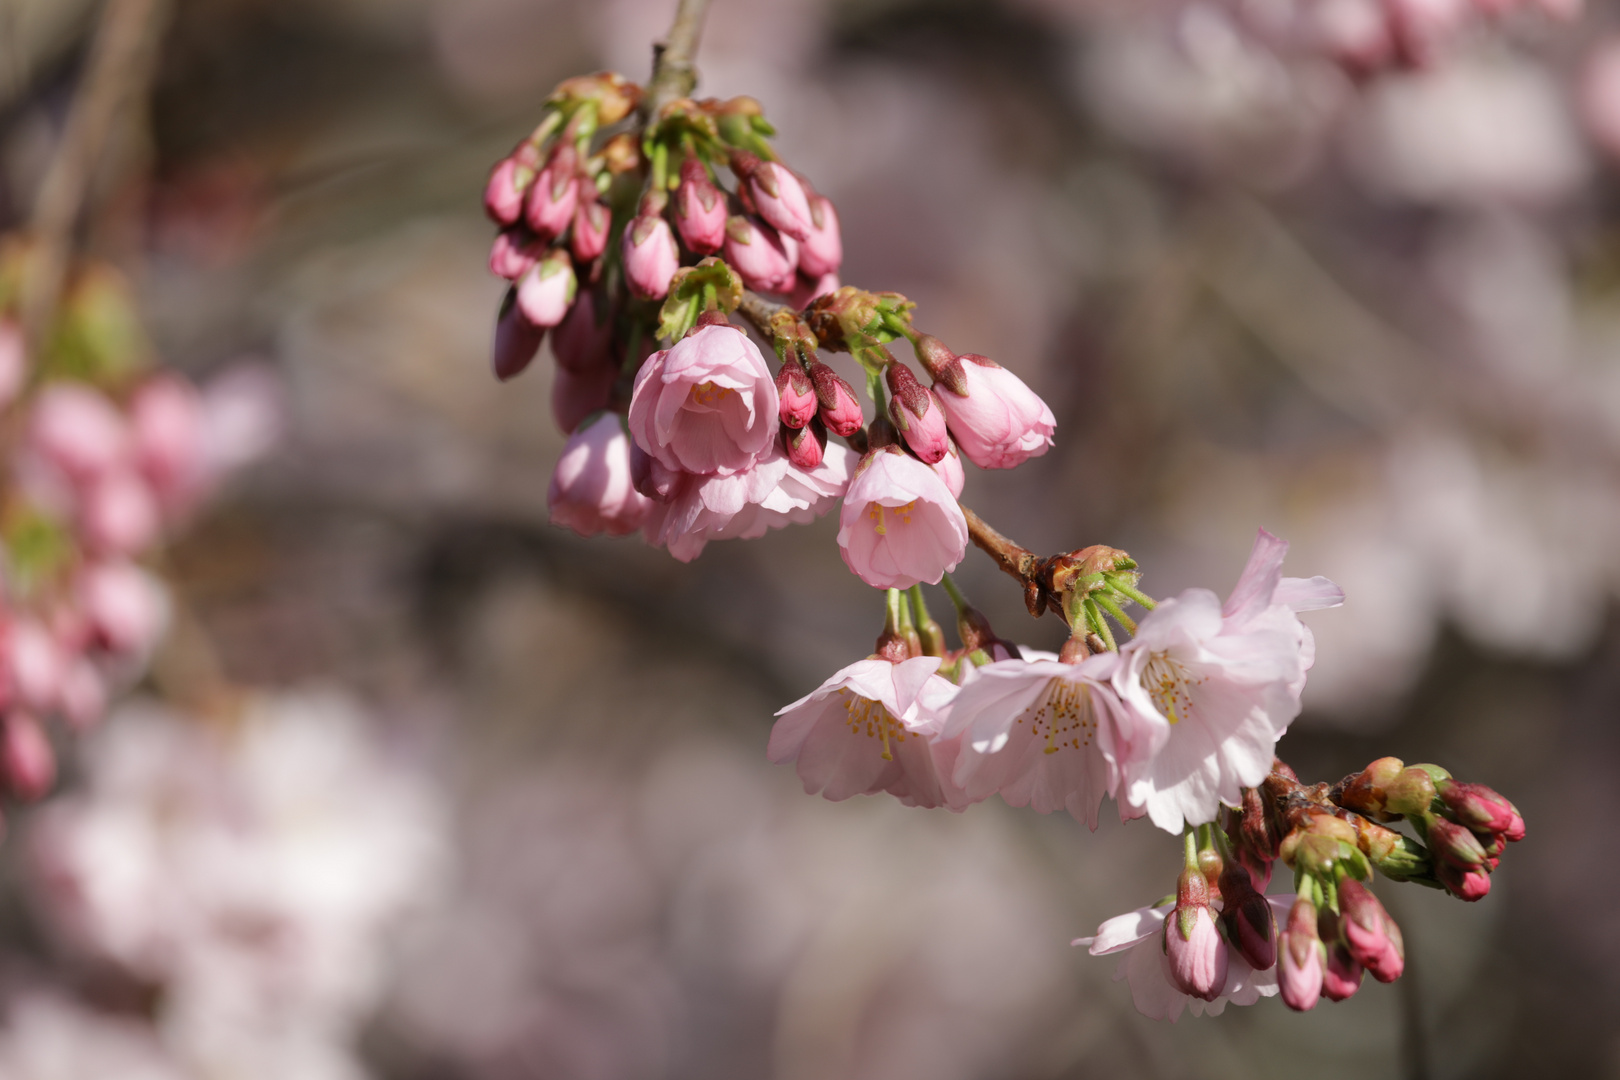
(110, 457)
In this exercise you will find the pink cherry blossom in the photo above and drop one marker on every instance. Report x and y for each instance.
(125, 606)
(821, 252)
(917, 414)
(75, 429)
(949, 469)
(1300, 958)
(592, 220)
(590, 489)
(1138, 938)
(37, 664)
(118, 513)
(795, 394)
(996, 420)
(765, 258)
(243, 416)
(508, 183)
(805, 446)
(650, 257)
(780, 200)
(1192, 942)
(27, 764)
(1217, 687)
(707, 404)
(1043, 734)
(166, 423)
(517, 340)
(547, 290)
(514, 252)
(83, 695)
(1371, 935)
(553, 195)
(770, 494)
(839, 408)
(581, 341)
(700, 209)
(900, 525)
(868, 729)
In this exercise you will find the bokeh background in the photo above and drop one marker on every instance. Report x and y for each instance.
(501, 808)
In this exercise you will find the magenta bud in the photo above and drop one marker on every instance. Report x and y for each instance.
(581, 342)
(839, 408)
(1341, 978)
(1247, 918)
(1302, 959)
(700, 209)
(517, 340)
(514, 252)
(27, 763)
(1197, 955)
(806, 445)
(650, 257)
(766, 259)
(1371, 935)
(795, 395)
(575, 396)
(822, 251)
(555, 192)
(591, 221)
(776, 194)
(1476, 806)
(1515, 830)
(917, 413)
(1455, 844)
(508, 183)
(1469, 885)
(547, 291)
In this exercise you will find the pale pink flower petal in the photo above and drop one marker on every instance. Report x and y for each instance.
(590, 489)
(867, 729)
(900, 525)
(125, 606)
(77, 430)
(997, 420)
(707, 404)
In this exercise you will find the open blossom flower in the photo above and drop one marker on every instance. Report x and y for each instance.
(1043, 734)
(868, 729)
(900, 525)
(771, 494)
(1217, 686)
(997, 420)
(1138, 938)
(707, 404)
(590, 488)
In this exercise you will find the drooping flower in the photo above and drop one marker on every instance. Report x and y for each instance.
(869, 728)
(900, 525)
(838, 406)
(1217, 686)
(1198, 957)
(592, 220)
(996, 419)
(590, 488)
(822, 251)
(796, 395)
(917, 414)
(509, 182)
(1043, 734)
(1301, 958)
(700, 209)
(517, 340)
(547, 291)
(554, 194)
(778, 196)
(1372, 936)
(1138, 937)
(766, 259)
(770, 494)
(707, 404)
(650, 257)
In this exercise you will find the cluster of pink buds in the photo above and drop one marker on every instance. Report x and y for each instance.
(1174, 715)
(108, 457)
(1365, 36)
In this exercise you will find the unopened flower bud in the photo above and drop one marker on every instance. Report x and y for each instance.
(582, 343)
(805, 445)
(1371, 935)
(1341, 977)
(591, 490)
(576, 395)
(765, 258)
(838, 406)
(27, 763)
(776, 194)
(1302, 959)
(516, 339)
(509, 182)
(547, 291)
(1197, 954)
(553, 195)
(591, 222)
(996, 419)
(119, 513)
(700, 209)
(514, 252)
(1364, 791)
(795, 395)
(822, 252)
(1476, 806)
(1247, 917)
(1410, 792)
(1515, 830)
(650, 258)
(1454, 844)
(1469, 885)
(126, 608)
(917, 414)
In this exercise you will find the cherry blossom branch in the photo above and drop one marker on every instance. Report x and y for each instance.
(119, 65)
(1020, 562)
(674, 73)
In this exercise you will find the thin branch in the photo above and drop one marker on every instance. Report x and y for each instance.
(1020, 562)
(674, 73)
(118, 68)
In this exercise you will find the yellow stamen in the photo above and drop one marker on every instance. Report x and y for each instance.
(708, 394)
(1169, 686)
(1067, 713)
(875, 717)
(877, 512)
